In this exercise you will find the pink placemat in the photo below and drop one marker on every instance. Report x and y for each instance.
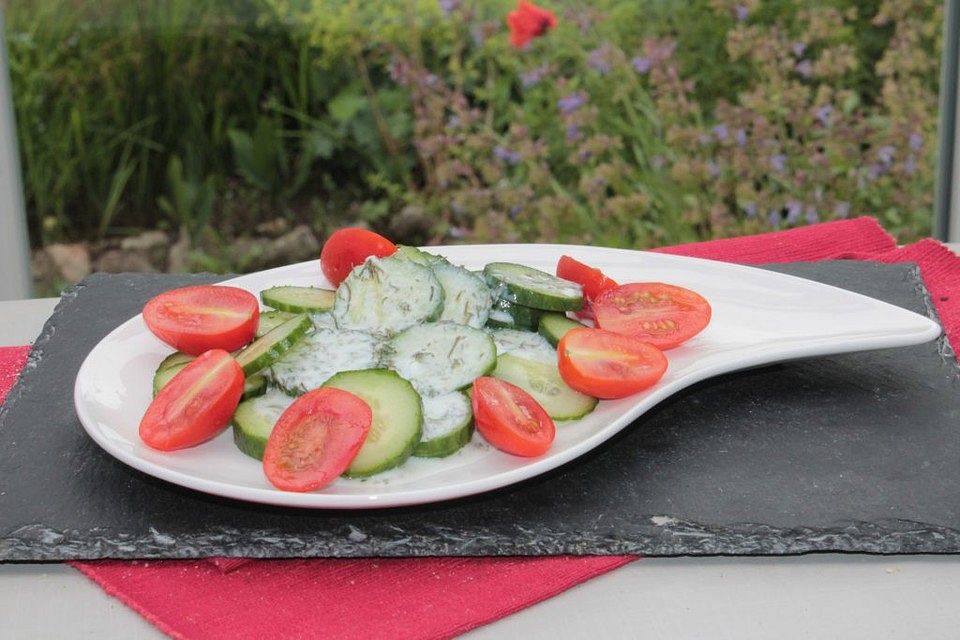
(441, 597)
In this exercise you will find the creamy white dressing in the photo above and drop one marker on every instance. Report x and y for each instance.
(322, 354)
(441, 357)
(466, 297)
(444, 414)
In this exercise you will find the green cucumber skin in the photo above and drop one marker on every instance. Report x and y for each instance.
(493, 323)
(444, 446)
(513, 369)
(348, 381)
(163, 376)
(406, 252)
(248, 444)
(524, 318)
(553, 326)
(273, 297)
(270, 320)
(175, 359)
(295, 328)
(253, 386)
(497, 275)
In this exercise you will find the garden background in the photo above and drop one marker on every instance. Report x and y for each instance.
(233, 135)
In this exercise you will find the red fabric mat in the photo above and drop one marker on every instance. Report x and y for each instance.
(441, 597)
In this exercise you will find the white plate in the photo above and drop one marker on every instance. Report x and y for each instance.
(759, 317)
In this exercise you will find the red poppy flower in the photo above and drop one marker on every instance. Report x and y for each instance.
(528, 21)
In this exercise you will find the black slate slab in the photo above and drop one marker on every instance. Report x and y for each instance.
(857, 452)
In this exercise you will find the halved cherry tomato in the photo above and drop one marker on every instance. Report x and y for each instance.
(316, 439)
(347, 248)
(593, 281)
(200, 318)
(510, 419)
(662, 314)
(195, 405)
(608, 365)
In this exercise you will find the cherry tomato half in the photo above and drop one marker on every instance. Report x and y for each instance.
(347, 248)
(200, 318)
(662, 314)
(593, 281)
(510, 419)
(195, 405)
(316, 439)
(608, 365)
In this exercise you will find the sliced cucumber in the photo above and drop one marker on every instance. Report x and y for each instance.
(466, 297)
(532, 287)
(413, 254)
(322, 354)
(253, 421)
(270, 320)
(178, 358)
(553, 326)
(516, 315)
(298, 299)
(164, 375)
(267, 349)
(441, 357)
(543, 382)
(397, 418)
(252, 387)
(447, 425)
(388, 296)
(323, 320)
(525, 344)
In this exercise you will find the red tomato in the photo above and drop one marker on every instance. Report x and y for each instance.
(608, 365)
(591, 279)
(510, 419)
(316, 439)
(195, 405)
(346, 248)
(197, 319)
(662, 314)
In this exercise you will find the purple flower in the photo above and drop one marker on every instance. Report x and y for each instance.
(741, 137)
(573, 133)
(514, 212)
(742, 12)
(713, 169)
(916, 141)
(453, 122)
(778, 162)
(570, 103)
(449, 6)
(721, 132)
(805, 68)
(874, 171)
(641, 64)
(750, 208)
(812, 215)
(798, 48)
(429, 80)
(507, 155)
(910, 165)
(599, 59)
(794, 209)
(773, 218)
(885, 155)
(841, 209)
(824, 114)
(533, 76)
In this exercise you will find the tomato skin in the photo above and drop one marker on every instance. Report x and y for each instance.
(593, 281)
(200, 318)
(347, 248)
(196, 404)
(316, 439)
(664, 315)
(510, 419)
(608, 365)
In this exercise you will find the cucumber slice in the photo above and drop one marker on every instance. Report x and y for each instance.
(298, 299)
(413, 254)
(270, 320)
(532, 287)
(176, 359)
(323, 320)
(397, 418)
(447, 425)
(466, 297)
(543, 382)
(252, 387)
(267, 349)
(442, 357)
(500, 320)
(387, 296)
(322, 354)
(521, 318)
(253, 421)
(553, 326)
(525, 344)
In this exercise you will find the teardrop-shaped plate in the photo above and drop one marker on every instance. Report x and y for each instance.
(759, 317)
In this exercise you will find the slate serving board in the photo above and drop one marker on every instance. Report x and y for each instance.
(857, 452)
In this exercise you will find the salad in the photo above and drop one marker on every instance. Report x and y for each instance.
(409, 355)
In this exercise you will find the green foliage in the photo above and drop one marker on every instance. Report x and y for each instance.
(189, 203)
